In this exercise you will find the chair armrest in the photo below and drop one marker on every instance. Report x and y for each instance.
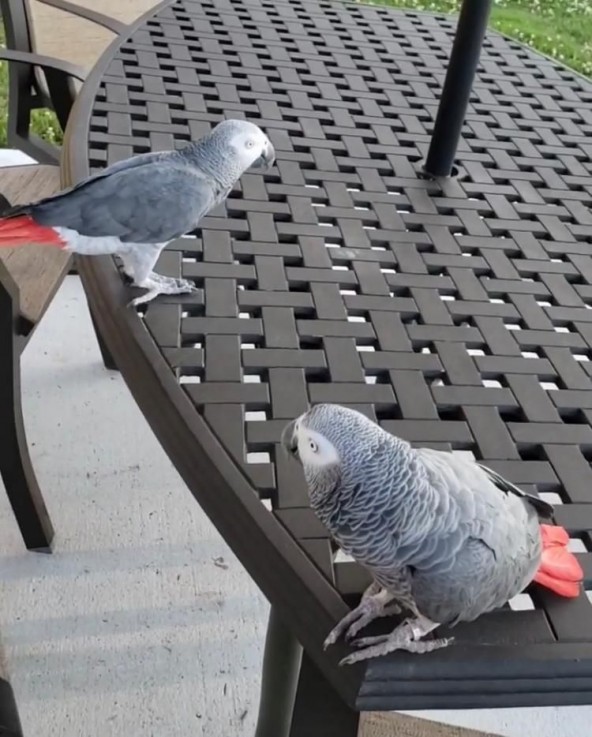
(111, 24)
(59, 76)
(47, 63)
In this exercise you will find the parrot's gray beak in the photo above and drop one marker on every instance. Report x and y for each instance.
(289, 439)
(267, 158)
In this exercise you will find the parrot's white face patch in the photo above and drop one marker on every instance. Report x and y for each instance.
(314, 449)
(250, 145)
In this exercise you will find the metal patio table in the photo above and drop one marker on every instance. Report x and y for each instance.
(454, 310)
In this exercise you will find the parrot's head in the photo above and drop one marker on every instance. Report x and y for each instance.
(332, 442)
(246, 142)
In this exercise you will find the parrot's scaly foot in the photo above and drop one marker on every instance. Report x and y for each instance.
(157, 284)
(365, 619)
(180, 286)
(370, 608)
(405, 637)
(389, 646)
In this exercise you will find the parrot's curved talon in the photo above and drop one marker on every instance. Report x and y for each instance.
(331, 639)
(148, 297)
(349, 659)
(337, 631)
(373, 605)
(357, 626)
(376, 610)
(181, 287)
(352, 622)
(188, 286)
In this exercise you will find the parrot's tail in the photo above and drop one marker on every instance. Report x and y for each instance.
(22, 230)
(560, 570)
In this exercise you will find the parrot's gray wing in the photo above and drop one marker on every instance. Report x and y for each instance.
(470, 472)
(151, 203)
(152, 157)
(542, 507)
(131, 163)
(484, 510)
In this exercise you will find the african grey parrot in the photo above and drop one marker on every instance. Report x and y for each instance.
(444, 537)
(134, 207)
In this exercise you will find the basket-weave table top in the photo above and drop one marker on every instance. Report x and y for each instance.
(457, 313)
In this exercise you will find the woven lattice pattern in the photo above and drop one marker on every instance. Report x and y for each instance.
(458, 314)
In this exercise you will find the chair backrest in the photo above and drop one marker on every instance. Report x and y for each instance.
(69, 36)
(23, 83)
(77, 41)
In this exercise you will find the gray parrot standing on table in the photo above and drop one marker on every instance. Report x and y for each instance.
(135, 207)
(444, 537)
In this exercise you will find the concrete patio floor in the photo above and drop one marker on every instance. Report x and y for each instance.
(142, 622)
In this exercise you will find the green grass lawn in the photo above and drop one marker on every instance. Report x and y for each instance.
(559, 28)
(45, 123)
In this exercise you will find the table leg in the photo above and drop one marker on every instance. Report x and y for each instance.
(319, 711)
(10, 725)
(456, 92)
(281, 665)
(106, 355)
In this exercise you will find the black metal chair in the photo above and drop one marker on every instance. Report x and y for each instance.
(37, 81)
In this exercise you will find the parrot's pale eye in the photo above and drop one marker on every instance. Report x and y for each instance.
(250, 143)
(312, 445)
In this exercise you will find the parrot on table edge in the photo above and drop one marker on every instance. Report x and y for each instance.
(135, 207)
(445, 538)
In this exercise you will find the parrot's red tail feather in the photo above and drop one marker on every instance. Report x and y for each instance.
(23, 230)
(560, 570)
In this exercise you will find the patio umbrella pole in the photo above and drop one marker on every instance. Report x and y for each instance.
(456, 92)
